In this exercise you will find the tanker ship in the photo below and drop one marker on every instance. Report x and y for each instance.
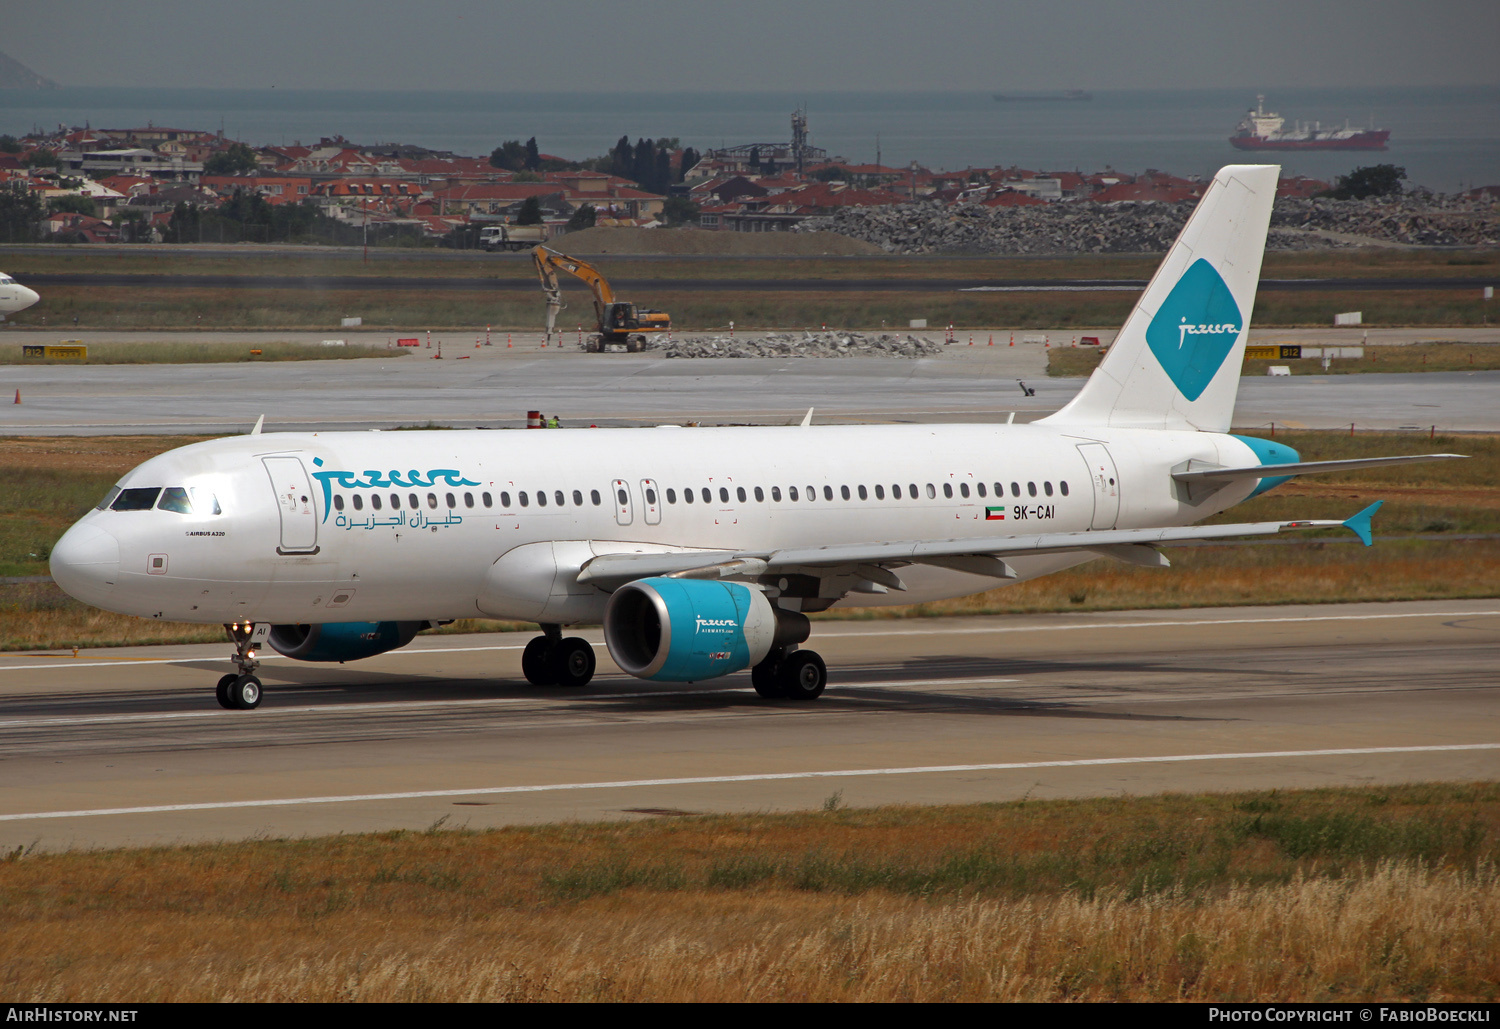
(1260, 129)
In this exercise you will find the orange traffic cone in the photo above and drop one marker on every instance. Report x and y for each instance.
(18, 396)
(992, 339)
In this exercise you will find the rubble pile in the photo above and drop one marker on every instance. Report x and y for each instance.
(1418, 217)
(803, 344)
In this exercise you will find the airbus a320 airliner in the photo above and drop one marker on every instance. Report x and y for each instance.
(703, 550)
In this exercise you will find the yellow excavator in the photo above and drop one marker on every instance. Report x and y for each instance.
(619, 322)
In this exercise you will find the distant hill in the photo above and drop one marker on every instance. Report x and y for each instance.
(15, 75)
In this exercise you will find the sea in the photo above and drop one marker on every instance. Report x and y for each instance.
(1447, 138)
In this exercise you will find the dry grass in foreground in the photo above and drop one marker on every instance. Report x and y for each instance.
(1368, 894)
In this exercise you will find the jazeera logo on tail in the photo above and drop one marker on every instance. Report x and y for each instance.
(1195, 329)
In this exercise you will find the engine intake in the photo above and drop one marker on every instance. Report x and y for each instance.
(684, 630)
(341, 641)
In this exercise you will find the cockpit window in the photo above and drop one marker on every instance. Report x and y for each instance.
(175, 498)
(141, 498)
(109, 498)
(205, 502)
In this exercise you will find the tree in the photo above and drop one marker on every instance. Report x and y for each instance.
(621, 158)
(533, 156)
(40, 158)
(20, 211)
(583, 218)
(680, 211)
(530, 212)
(526, 176)
(509, 156)
(690, 157)
(74, 204)
(1378, 180)
(10, 144)
(238, 159)
(831, 173)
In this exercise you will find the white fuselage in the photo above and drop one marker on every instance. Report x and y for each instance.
(377, 526)
(14, 296)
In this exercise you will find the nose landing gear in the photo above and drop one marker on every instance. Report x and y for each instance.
(242, 691)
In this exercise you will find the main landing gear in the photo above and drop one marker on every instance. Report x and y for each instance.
(241, 691)
(800, 675)
(551, 660)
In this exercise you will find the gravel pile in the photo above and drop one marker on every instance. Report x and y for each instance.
(803, 344)
(1418, 217)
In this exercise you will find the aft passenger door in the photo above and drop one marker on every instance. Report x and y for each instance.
(620, 492)
(294, 502)
(1106, 484)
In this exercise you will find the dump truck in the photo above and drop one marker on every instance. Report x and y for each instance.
(511, 237)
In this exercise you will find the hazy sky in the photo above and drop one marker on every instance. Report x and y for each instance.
(637, 45)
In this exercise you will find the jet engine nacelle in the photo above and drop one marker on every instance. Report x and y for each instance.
(341, 641)
(684, 630)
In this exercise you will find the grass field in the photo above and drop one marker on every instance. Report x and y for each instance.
(1428, 509)
(1332, 264)
(152, 305)
(1324, 895)
(1416, 357)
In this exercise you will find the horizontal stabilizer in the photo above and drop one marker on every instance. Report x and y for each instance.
(1267, 471)
(1360, 523)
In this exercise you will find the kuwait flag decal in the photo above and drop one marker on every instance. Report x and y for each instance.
(994, 514)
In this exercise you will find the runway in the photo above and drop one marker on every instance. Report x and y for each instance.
(128, 747)
(495, 386)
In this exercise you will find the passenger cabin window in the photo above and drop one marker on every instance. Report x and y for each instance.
(739, 492)
(375, 500)
(979, 488)
(723, 495)
(395, 501)
(432, 501)
(776, 494)
(504, 499)
(622, 496)
(791, 493)
(650, 496)
(931, 491)
(896, 491)
(452, 502)
(1064, 487)
(708, 497)
(687, 495)
(359, 502)
(827, 492)
(412, 501)
(468, 500)
(671, 495)
(1047, 488)
(338, 502)
(525, 501)
(541, 498)
(139, 498)
(1031, 488)
(963, 489)
(913, 487)
(557, 495)
(760, 495)
(578, 498)
(948, 490)
(595, 498)
(1015, 489)
(844, 492)
(879, 492)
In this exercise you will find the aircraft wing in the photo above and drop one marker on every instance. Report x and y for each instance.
(985, 556)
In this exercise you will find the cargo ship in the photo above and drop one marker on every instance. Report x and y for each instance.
(1260, 129)
(1067, 94)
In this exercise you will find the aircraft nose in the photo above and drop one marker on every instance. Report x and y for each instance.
(86, 562)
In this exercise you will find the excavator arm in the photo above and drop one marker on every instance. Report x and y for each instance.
(548, 261)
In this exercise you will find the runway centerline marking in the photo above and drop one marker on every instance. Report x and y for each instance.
(846, 773)
(830, 635)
